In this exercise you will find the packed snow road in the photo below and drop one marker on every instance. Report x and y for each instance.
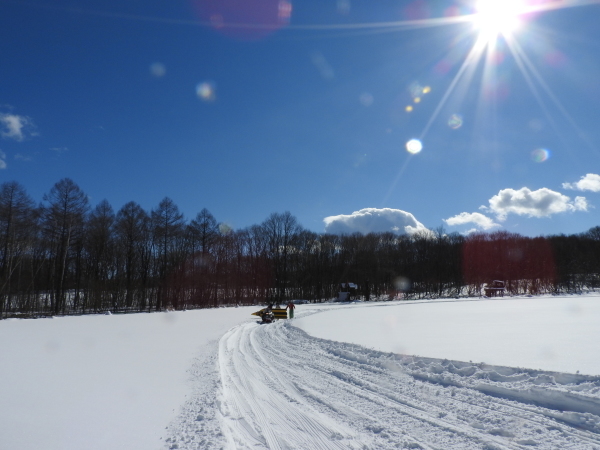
(280, 388)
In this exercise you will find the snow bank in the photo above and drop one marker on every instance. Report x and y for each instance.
(551, 333)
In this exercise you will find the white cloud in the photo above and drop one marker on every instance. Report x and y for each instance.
(590, 182)
(580, 204)
(13, 126)
(2, 158)
(541, 203)
(21, 157)
(482, 221)
(374, 220)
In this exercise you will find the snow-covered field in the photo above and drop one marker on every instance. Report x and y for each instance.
(430, 375)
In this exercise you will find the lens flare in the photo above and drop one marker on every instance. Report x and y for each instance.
(414, 146)
(409, 108)
(455, 121)
(540, 155)
(402, 283)
(158, 70)
(366, 99)
(225, 228)
(497, 17)
(206, 91)
(247, 19)
(415, 89)
(284, 11)
(343, 6)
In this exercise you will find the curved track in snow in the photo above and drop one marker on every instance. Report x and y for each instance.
(283, 389)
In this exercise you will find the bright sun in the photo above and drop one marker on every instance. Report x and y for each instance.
(497, 17)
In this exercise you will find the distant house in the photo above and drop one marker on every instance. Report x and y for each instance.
(347, 291)
(495, 289)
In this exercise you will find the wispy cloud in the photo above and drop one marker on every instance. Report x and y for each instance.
(541, 203)
(480, 220)
(373, 220)
(589, 182)
(21, 157)
(2, 160)
(14, 126)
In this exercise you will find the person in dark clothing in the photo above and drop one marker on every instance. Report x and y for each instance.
(267, 314)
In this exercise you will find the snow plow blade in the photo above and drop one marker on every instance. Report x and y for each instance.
(278, 313)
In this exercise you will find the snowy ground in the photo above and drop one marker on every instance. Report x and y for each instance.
(549, 333)
(101, 382)
(338, 376)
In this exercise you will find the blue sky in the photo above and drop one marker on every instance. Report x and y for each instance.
(138, 100)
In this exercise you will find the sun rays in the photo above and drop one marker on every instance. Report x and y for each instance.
(497, 27)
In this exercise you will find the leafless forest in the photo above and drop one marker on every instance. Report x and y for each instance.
(65, 257)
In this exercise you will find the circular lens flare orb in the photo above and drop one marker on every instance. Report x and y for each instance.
(158, 70)
(540, 155)
(206, 91)
(225, 228)
(402, 283)
(455, 121)
(366, 99)
(414, 146)
(497, 17)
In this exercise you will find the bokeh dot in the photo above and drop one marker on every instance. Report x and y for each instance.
(366, 99)
(158, 69)
(225, 228)
(414, 146)
(206, 91)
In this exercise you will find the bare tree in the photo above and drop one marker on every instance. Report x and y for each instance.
(167, 228)
(64, 214)
(17, 220)
(133, 253)
(281, 230)
(100, 256)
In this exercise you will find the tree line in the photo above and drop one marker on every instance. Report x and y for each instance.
(65, 257)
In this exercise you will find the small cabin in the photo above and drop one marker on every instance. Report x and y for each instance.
(347, 291)
(494, 289)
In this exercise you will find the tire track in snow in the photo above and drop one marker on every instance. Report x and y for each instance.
(262, 409)
(282, 389)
